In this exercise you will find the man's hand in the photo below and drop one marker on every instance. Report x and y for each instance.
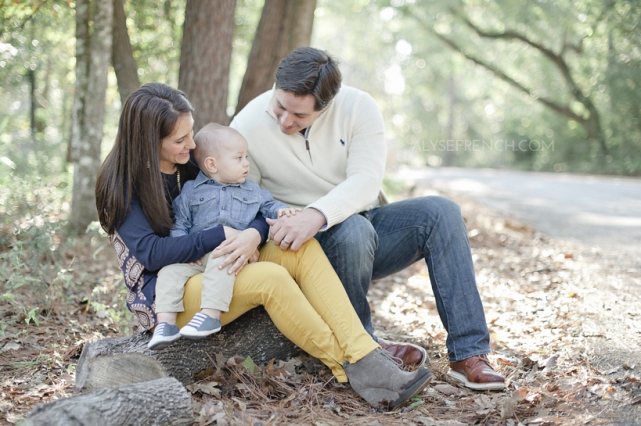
(292, 232)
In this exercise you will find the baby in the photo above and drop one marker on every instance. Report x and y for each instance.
(220, 195)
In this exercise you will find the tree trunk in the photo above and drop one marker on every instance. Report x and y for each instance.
(253, 334)
(448, 156)
(159, 402)
(284, 25)
(205, 58)
(89, 114)
(122, 56)
(114, 370)
(302, 16)
(31, 75)
(82, 67)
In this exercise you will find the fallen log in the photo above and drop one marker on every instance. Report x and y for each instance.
(253, 334)
(158, 402)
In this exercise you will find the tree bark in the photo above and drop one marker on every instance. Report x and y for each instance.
(205, 58)
(159, 402)
(448, 156)
(122, 56)
(302, 15)
(81, 71)
(284, 25)
(114, 370)
(89, 111)
(253, 334)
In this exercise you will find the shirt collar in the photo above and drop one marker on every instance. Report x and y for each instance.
(201, 179)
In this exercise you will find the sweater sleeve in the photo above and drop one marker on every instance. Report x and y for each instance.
(260, 224)
(155, 252)
(365, 166)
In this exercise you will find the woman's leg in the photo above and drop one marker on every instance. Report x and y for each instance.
(318, 281)
(374, 376)
(270, 285)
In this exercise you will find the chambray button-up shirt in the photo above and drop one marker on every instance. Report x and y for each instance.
(204, 203)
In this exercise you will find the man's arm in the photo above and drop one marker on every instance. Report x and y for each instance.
(365, 164)
(359, 190)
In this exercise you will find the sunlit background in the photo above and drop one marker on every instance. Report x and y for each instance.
(539, 85)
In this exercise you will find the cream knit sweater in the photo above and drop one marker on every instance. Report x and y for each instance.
(343, 170)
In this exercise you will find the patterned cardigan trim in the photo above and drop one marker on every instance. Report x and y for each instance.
(132, 270)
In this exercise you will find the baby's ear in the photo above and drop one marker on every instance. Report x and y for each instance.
(210, 164)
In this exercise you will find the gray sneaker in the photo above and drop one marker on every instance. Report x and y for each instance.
(200, 326)
(379, 380)
(164, 335)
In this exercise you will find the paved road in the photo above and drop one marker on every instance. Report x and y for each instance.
(593, 210)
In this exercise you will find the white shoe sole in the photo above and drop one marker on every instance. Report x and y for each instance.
(476, 386)
(162, 344)
(192, 333)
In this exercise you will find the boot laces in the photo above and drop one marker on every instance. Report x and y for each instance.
(392, 358)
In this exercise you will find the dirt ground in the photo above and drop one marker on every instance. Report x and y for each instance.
(564, 318)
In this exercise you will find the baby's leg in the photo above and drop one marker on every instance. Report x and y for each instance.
(218, 288)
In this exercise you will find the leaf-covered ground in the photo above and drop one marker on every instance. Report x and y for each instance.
(565, 323)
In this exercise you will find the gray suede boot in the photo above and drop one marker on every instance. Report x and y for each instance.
(381, 382)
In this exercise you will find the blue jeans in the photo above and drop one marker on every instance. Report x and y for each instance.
(385, 240)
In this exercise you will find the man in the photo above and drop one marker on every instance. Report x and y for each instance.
(318, 145)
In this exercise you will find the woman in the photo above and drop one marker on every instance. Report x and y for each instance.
(301, 293)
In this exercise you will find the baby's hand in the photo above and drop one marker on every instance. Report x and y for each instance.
(289, 211)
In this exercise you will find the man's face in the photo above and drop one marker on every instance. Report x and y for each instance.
(294, 113)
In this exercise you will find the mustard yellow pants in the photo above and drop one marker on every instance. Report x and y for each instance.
(304, 298)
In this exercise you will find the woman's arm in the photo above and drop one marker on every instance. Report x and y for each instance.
(155, 252)
(260, 224)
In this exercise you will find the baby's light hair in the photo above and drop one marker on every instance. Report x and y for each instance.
(209, 140)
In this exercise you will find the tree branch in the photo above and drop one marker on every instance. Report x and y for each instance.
(556, 59)
(20, 26)
(561, 109)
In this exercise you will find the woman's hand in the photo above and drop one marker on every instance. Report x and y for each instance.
(239, 246)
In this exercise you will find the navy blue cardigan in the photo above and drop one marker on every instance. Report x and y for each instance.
(142, 253)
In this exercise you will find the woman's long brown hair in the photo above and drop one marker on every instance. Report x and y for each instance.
(132, 167)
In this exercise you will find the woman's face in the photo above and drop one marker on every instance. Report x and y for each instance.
(174, 149)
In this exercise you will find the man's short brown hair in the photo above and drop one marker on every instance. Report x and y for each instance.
(310, 71)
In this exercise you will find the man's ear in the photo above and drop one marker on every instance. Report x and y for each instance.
(210, 165)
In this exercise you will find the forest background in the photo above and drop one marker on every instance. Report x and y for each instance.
(547, 86)
(541, 85)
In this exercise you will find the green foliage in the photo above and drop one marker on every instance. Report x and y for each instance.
(32, 316)
(36, 68)
(431, 94)
(415, 402)
(155, 30)
(32, 242)
(249, 365)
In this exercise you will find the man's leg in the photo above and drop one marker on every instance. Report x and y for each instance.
(350, 248)
(432, 228)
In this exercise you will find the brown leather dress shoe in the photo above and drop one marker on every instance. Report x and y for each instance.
(411, 355)
(476, 373)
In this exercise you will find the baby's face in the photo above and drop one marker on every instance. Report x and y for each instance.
(233, 160)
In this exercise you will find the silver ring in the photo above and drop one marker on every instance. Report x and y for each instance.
(286, 242)
(241, 257)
